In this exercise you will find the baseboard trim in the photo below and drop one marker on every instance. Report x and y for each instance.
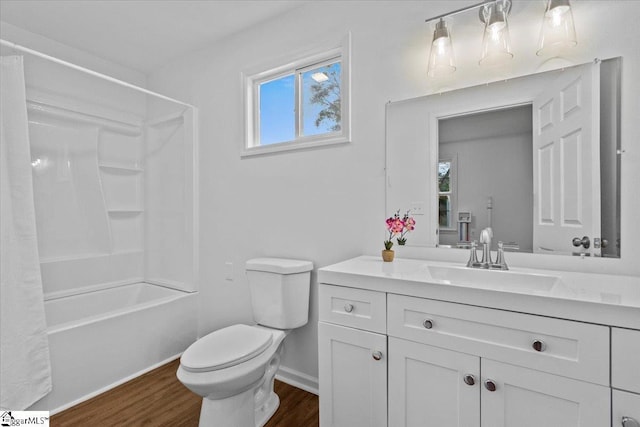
(298, 379)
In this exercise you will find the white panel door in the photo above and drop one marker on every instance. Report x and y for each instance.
(527, 398)
(566, 159)
(353, 377)
(427, 386)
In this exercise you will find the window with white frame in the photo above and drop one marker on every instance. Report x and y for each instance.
(446, 193)
(302, 104)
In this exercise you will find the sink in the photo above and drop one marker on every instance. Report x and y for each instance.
(493, 279)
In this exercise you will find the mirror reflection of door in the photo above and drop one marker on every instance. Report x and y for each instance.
(566, 162)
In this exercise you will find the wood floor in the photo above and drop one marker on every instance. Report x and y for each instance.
(157, 398)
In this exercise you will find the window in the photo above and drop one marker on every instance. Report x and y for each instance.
(302, 104)
(446, 200)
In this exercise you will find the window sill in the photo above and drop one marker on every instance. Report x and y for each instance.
(291, 146)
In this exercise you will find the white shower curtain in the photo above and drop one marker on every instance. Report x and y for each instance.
(25, 370)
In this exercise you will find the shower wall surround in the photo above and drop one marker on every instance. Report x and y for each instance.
(112, 177)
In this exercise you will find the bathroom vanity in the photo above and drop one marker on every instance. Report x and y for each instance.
(417, 342)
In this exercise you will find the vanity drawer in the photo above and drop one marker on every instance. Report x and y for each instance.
(563, 347)
(625, 359)
(358, 308)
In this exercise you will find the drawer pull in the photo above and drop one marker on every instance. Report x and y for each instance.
(539, 345)
(377, 355)
(348, 307)
(428, 323)
(490, 385)
(629, 422)
(469, 379)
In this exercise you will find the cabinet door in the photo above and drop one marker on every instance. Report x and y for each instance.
(527, 398)
(626, 409)
(427, 386)
(353, 377)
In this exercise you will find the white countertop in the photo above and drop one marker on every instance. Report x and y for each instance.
(594, 298)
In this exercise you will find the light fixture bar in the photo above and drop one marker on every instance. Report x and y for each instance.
(464, 9)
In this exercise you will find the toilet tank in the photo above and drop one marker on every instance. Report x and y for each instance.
(279, 291)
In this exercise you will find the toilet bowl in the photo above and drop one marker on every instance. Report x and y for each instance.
(233, 368)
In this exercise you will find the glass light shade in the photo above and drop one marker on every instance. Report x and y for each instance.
(558, 31)
(441, 60)
(496, 46)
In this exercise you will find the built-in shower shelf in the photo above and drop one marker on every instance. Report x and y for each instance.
(121, 168)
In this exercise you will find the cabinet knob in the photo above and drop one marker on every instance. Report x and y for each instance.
(629, 422)
(348, 307)
(428, 323)
(539, 345)
(490, 385)
(377, 355)
(469, 379)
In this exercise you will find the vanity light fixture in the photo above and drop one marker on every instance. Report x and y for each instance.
(441, 60)
(558, 31)
(496, 47)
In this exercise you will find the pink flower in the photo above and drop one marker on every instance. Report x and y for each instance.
(399, 226)
(410, 223)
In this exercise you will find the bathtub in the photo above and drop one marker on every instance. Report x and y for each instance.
(100, 339)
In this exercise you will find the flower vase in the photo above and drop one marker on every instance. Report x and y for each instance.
(387, 255)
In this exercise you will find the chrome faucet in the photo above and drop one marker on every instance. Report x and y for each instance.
(485, 238)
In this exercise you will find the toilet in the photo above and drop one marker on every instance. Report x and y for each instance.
(233, 368)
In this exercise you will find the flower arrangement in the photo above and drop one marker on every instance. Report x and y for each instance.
(399, 226)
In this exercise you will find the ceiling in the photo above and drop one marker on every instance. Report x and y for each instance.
(140, 34)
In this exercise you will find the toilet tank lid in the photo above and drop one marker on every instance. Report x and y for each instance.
(279, 265)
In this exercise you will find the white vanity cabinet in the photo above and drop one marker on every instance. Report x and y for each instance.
(401, 344)
(352, 359)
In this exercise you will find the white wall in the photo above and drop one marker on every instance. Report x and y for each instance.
(328, 204)
(37, 42)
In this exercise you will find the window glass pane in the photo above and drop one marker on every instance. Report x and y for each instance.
(444, 211)
(277, 110)
(321, 100)
(444, 176)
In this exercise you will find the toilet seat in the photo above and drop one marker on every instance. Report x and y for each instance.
(225, 348)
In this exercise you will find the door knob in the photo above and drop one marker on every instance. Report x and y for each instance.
(469, 379)
(584, 242)
(377, 355)
(629, 422)
(490, 385)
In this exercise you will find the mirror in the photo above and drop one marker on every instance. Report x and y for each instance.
(535, 158)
